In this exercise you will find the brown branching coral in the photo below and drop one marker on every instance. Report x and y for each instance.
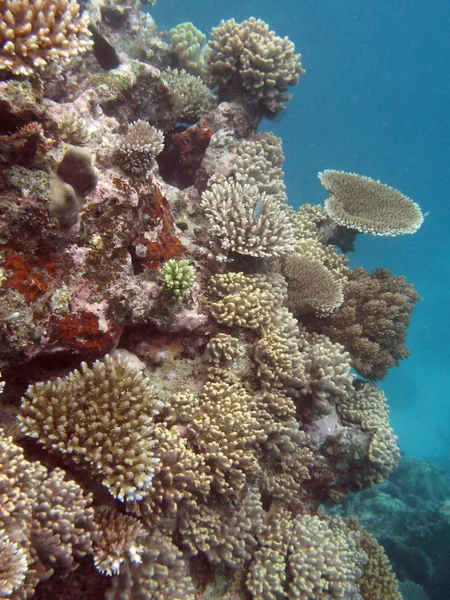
(311, 286)
(100, 418)
(137, 150)
(367, 409)
(118, 537)
(248, 60)
(33, 34)
(247, 221)
(369, 206)
(372, 321)
(49, 521)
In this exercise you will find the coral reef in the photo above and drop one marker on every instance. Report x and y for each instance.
(34, 34)
(372, 321)
(247, 59)
(176, 342)
(369, 206)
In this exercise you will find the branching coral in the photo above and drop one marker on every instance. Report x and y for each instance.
(49, 520)
(247, 221)
(372, 322)
(311, 286)
(33, 34)
(137, 150)
(118, 538)
(259, 162)
(367, 408)
(369, 206)
(178, 278)
(188, 43)
(191, 98)
(247, 59)
(162, 574)
(102, 419)
(306, 557)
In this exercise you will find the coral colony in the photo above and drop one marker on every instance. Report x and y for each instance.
(176, 341)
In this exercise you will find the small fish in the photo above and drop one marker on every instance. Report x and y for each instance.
(426, 214)
(258, 209)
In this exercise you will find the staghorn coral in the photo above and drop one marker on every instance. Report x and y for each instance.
(191, 98)
(48, 519)
(246, 221)
(311, 286)
(248, 60)
(188, 42)
(34, 34)
(369, 206)
(178, 277)
(101, 418)
(118, 537)
(367, 409)
(259, 162)
(372, 321)
(137, 150)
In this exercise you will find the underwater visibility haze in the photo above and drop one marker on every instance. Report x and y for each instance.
(224, 287)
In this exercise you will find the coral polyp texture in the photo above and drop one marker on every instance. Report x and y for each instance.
(177, 400)
(247, 221)
(33, 34)
(369, 206)
(248, 59)
(102, 419)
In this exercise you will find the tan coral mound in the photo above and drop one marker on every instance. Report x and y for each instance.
(369, 206)
(34, 34)
(372, 322)
(367, 409)
(247, 59)
(100, 417)
(247, 221)
(311, 286)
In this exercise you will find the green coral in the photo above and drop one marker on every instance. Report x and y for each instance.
(178, 277)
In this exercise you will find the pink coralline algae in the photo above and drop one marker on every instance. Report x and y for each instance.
(218, 423)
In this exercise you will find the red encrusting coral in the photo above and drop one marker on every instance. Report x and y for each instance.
(30, 276)
(182, 155)
(166, 245)
(82, 332)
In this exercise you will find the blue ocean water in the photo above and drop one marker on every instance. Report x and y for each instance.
(375, 101)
